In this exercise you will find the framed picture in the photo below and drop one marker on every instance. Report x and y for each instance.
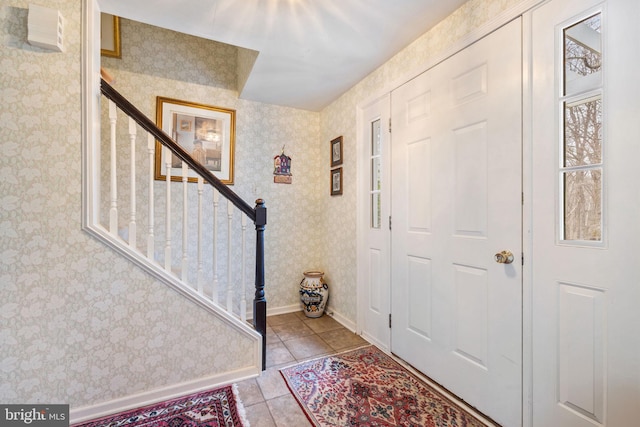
(110, 36)
(206, 132)
(336, 181)
(336, 151)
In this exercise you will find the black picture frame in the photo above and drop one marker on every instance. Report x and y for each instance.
(336, 151)
(336, 182)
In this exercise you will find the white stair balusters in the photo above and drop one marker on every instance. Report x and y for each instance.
(243, 295)
(215, 284)
(230, 209)
(185, 222)
(167, 218)
(113, 210)
(200, 275)
(132, 182)
(215, 269)
(151, 144)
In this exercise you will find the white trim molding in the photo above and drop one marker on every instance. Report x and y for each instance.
(151, 397)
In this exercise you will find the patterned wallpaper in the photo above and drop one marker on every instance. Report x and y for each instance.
(339, 254)
(291, 236)
(78, 323)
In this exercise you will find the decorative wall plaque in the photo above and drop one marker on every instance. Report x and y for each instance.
(282, 169)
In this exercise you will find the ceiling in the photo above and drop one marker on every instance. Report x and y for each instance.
(309, 51)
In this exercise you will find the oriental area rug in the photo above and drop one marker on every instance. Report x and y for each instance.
(365, 387)
(214, 408)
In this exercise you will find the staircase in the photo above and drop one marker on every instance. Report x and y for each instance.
(191, 236)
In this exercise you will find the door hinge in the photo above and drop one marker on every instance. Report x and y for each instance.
(389, 320)
(389, 124)
(389, 222)
(522, 258)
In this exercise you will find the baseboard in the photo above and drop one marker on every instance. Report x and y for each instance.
(347, 323)
(329, 311)
(151, 397)
(382, 346)
(284, 309)
(277, 310)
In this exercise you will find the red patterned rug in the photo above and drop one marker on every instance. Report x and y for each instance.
(365, 387)
(213, 408)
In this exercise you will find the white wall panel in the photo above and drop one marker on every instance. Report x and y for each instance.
(420, 299)
(419, 107)
(470, 85)
(419, 200)
(581, 355)
(375, 262)
(471, 313)
(471, 180)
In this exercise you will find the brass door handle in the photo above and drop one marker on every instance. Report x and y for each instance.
(504, 257)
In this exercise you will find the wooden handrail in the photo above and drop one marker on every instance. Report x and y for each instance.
(167, 141)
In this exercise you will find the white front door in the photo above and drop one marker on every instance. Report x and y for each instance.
(373, 267)
(456, 203)
(586, 213)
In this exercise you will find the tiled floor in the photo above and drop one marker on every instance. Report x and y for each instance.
(291, 338)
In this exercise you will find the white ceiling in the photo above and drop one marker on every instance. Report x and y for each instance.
(310, 51)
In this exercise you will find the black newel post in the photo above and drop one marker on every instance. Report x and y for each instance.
(259, 301)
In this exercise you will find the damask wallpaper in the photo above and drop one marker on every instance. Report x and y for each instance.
(339, 255)
(78, 323)
(205, 73)
(81, 325)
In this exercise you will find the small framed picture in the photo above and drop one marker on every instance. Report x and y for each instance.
(110, 36)
(336, 151)
(336, 182)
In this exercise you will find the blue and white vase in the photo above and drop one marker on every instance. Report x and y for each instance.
(314, 293)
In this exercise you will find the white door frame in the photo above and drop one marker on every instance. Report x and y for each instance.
(363, 231)
(521, 9)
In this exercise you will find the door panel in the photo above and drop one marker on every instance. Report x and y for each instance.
(374, 256)
(586, 369)
(456, 202)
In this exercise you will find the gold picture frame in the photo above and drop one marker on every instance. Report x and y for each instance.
(206, 132)
(110, 36)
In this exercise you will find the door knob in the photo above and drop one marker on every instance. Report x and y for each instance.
(504, 257)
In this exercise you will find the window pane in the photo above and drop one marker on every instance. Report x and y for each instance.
(376, 174)
(583, 132)
(582, 52)
(376, 143)
(376, 211)
(583, 205)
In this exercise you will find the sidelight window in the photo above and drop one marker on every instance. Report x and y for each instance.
(581, 156)
(376, 175)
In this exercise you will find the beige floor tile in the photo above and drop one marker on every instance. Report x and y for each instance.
(306, 347)
(259, 415)
(249, 392)
(291, 338)
(271, 336)
(289, 331)
(322, 324)
(286, 412)
(301, 315)
(272, 384)
(281, 319)
(342, 339)
(277, 354)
